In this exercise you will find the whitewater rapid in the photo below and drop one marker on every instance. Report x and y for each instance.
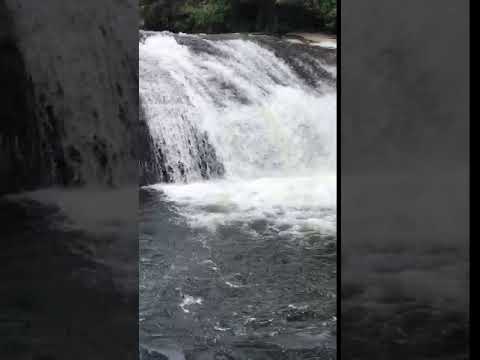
(243, 134)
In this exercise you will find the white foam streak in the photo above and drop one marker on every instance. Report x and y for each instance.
(290, 205)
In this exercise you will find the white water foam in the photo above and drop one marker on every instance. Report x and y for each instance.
(329, 44)
(291, 206)
(188, 301)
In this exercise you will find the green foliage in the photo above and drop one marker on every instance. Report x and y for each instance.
(325, 11)
(208, 15)
(151, 15)
(146, 7)
(328, 12)
(275, 16)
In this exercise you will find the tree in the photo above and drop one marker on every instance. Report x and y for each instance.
(273, 16)
(324, 12)
(208, 15)
(267, 16)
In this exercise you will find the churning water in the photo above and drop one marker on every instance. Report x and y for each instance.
(238, 238)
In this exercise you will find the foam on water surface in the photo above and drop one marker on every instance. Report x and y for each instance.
(290, 205)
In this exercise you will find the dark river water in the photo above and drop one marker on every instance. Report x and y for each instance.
(243, 290)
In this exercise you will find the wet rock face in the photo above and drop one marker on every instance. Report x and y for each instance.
(72, 95)
(154, 167)
(150, 170)
(303, 59)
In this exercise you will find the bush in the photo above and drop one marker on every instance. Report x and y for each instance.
(328, 13)
(209, 15)
(212, 16)
(325, 13)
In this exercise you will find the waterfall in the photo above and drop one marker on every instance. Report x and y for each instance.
(239, 107)
(245, 129)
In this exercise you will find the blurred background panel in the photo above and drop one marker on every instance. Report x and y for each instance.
(68, 179)
(405, 179)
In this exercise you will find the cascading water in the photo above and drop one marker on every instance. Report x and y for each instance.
(244, 143)
(234, 105)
